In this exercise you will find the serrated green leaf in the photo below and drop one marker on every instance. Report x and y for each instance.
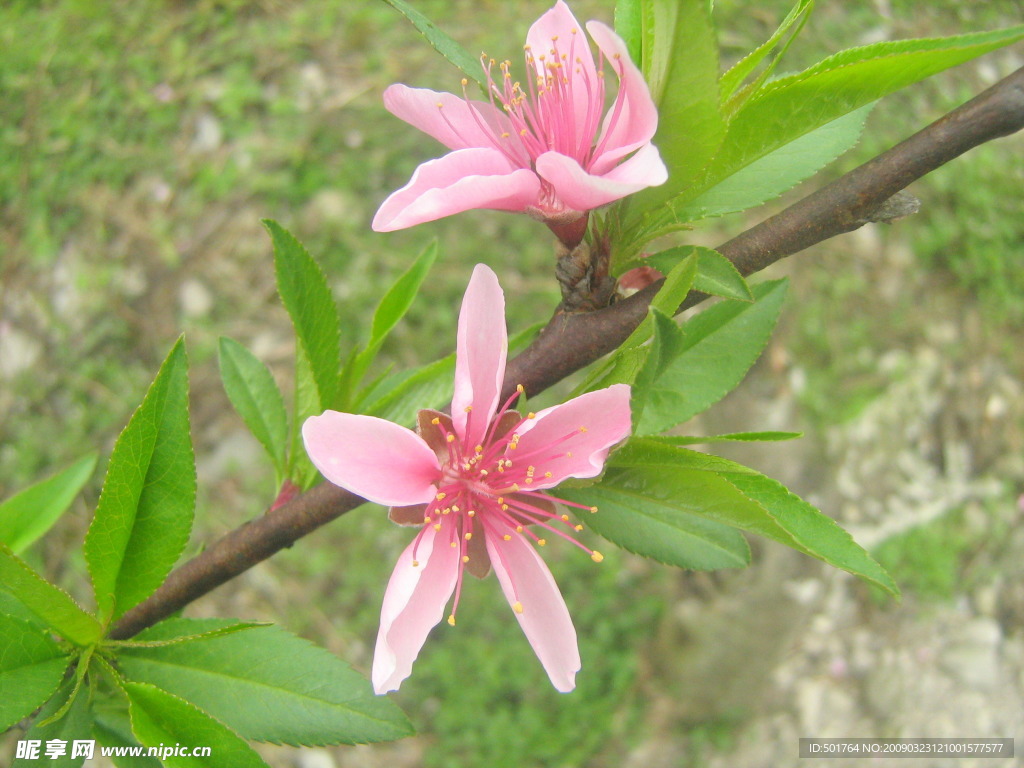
(305, 294)
(747, 500)
(680, 64)
(427, 387)
(739, 72)
(795, 105)
(721, 343)
(224, 630)
(678, 283)
(400, 295)
(441, 41)
(715, 274)
(51, 605)
(253, 392)
(266, 684)
(74, 725)
(667, 343)
(744, 437)
(160, 719)
(144, 515)
(32, 512)
(643, 513)
(112, 728)
(778, 171)
(31, 668)
(629, 26)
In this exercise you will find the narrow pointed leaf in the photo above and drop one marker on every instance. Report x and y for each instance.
(266, 684)
(31, 668)
(160, 719)
(400, 295)
(739, 496)
(629, 26)
(32, 512)
(253, 392)
(441, 41)
(721, 344)
(144, 515)
(74, 725)
(793, 106)
(306, 296)
(656, 524)
(52, 606)
(715, 274)
(777, 172)
(743, 437)
(112, 728)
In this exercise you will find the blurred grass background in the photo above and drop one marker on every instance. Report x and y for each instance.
(140, 144)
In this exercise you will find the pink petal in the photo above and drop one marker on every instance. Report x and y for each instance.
(637, 120)
(479, 356)
(547, 440)
(459, 181)
(413, 604)
(559, 24)
(452, 120)
(545, 620)
(376, 459)
(582, 191)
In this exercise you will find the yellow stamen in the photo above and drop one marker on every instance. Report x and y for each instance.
(435, 421)
(451, 620)
(465, 558)
(507, 537)
(469, 536)
(596, 556)
(519, 529)
(542, 542)
(517, 607)
(440, 496)
(468, 408)
(415, 563)
(593, 510)
(437, 526)
(450, 438)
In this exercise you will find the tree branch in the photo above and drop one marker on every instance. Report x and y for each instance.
(572, 341)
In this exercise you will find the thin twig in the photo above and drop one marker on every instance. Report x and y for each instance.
(570, 342)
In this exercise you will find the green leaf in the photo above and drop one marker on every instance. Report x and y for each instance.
(306, 296)
(266, 684)
(441, 41)
(721, 344)
(187, 638)
(679, 281)
(392, 308)
(399, 298)
(31, 668)
(640, 511)
(680, 64)
(744, 437)
(715, 274)
(427, 387)
(667, 344)
(112, 728)
(73, 725)
(629, 26)
(162, 720)
(32, 512)
(739, 72)
(778, 171)
(144, 514)
(252, 390)
(747, 500)
(793, 106)
(53, 607)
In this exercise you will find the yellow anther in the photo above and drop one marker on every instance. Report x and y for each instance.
(531, 415)
(568, 454)
(440, 105)
(579, 527)
(451, 620)
(454, 544)
(523, 132)
(507, 537)
(519, 529)
(541, 542)
(517, 607)
(440, 495)
(593, 510)
(565, 518)
(573, 31)
(428, 519)
(468, 536)
(450, 438)
(515, 487)
(415, 563)
(596, 556)
(547, 474)
(504, 507)
(501, 499)
(520, 389)
(437, 526)
(465, 82)
(435, 421)
(455, 507)
(468, 408)
(529, 480)
(583, 429)
(505, 135)
(616, 55)
(465, 558)
(479, 449)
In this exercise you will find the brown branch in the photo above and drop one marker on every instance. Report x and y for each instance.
(570, 342)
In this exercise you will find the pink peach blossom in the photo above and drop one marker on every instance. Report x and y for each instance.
(544, 150)
(474, 482)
